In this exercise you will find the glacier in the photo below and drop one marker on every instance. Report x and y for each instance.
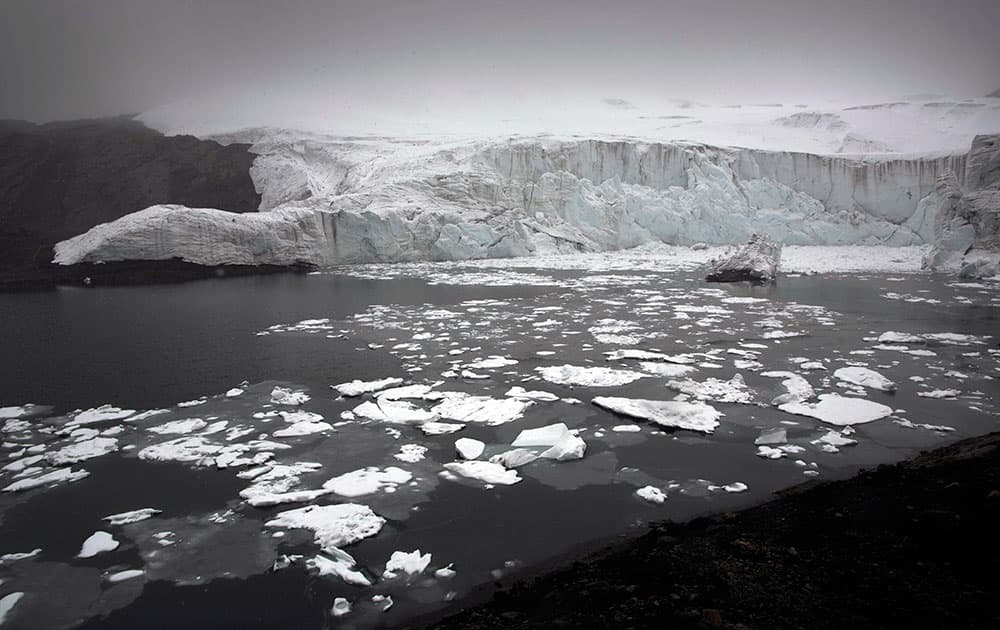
(327, 200)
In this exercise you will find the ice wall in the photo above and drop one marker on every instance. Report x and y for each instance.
(375, 200)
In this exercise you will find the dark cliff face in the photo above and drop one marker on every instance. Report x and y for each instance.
(58, 180)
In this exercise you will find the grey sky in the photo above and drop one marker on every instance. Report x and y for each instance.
(76, 58)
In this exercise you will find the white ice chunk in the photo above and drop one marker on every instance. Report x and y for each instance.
(367, 481)
(56, 476)
(651, 494)
(285, 396)
(333, 526)
(770, 437)
(412, 563)
(523, 394)
(486, 472)
(468, 448)
(491, 363)
(341, 564)
(23, 555)
(940, 393)
(693, 416)
(341, 607)
(134, 516)
(186, 449)
(588, 376)
(514, 458)
(179, 427)
(359, 387)
(840, 411)
(303, 428)
(864, 377)
(440, 428)
(411, 453)
(797, 389)
(481, 409)
(394, 412)
(128, 574)
(100, 414)
(732, 391)
(98, 542)
(7, 604)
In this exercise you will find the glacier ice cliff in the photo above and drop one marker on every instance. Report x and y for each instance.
(328, 200)
(967, 223)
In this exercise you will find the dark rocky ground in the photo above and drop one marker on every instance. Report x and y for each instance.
(913, 545)
(58, 180)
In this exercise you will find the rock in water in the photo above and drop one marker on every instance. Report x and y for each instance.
(757, 261)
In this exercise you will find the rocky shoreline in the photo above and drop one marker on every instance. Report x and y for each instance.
(910, 545)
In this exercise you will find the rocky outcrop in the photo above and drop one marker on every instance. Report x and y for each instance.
(58, 180)
(967, 226)
(757, 261)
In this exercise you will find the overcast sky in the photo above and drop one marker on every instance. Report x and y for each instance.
(80, 58)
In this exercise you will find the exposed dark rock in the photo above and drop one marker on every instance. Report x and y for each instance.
(757, 261)
(911, 545)
(58, 180)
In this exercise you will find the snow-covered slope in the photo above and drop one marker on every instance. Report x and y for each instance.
(921, 125)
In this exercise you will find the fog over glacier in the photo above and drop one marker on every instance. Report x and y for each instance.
(461, 66)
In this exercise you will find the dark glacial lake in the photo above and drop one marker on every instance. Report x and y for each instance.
(233, 369)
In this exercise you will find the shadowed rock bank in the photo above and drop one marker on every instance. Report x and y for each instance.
(911, 545)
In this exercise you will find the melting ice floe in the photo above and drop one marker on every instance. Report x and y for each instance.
(840, 410)
(98, 542)
(333, 526)
(133, 516)
(865, 378)
(588, 376)
(487, 472)
(734, 390)
(357, 387)
(667, 413)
